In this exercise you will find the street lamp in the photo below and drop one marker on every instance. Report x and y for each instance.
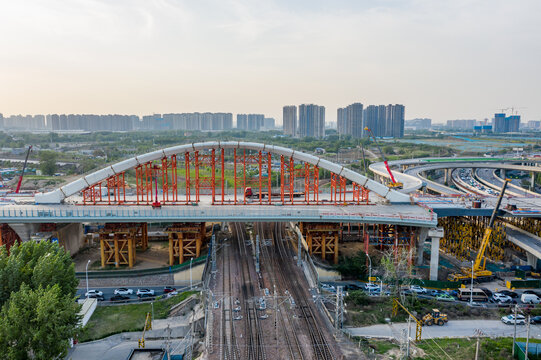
(86, 271)
(191, 273)
(369, 269)
(471, 285)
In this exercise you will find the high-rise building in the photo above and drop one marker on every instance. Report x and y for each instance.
(242, 121)
(341, 119)
(289, 120)
(1, 121)
(505, 124)
(311, 121)
(394, 120)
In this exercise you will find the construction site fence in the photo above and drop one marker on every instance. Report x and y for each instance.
(135, 273)
(534, 351)
(523, 284)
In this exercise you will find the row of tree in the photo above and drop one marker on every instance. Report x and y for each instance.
(38, 311)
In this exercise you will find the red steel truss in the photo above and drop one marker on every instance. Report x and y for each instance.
(236, 177)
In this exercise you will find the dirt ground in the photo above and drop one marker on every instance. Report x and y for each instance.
(157, 255)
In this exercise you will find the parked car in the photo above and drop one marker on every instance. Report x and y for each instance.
(531, 292)
(123, 291)
(530, 299)
(536, 320)
(512, 294)
(510, 319)
(145, 292)
(436, 292)
(168, 289)
(119, 298)
(352, 287)
(501, 298)
(371, 286)
(445, 297)
(418, 289)
(93, 293)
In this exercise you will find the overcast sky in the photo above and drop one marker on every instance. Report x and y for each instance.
(442, 59)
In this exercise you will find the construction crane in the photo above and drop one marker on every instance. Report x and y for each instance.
(148, 326)
(393, 184)
(24, 168)
(419, 323)
(479, 271)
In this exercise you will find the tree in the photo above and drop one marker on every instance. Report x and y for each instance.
(38, 313)
(37, 324)
(397, 270)
(47, 162)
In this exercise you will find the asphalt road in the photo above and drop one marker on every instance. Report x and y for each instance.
(109, 291)
(454, 328)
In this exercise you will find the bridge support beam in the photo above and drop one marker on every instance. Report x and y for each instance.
(322, 239)
(423, 234)
(119, 241)
(435, 235)
(185, 241)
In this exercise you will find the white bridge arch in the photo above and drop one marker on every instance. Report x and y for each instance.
(57, 196)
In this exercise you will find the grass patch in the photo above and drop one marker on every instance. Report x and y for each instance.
(497, 348)
(114, 319)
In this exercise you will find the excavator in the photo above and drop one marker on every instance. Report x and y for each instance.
(479, 271)
(393, 184)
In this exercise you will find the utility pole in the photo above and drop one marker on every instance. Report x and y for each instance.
(339, 309)
(514, 333)
(471, 286)
(408, 338)
(299, 251)
(478, 332)
(213, 244)
(527, 337)
(257, 253)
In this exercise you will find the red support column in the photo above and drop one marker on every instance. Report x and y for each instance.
(307, 183)
(223, 174)
(235, 174)
(174, 178)
(165, 182)
(244, 175)
(282, 176)
(260, 177)
(269, 175)
(197, 176)
(213, 175)
(187, 176)
(316, 184)
(291, 179)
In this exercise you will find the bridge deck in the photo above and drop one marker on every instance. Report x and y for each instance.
(411, 215)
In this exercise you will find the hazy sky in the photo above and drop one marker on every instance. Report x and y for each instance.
(441, 59)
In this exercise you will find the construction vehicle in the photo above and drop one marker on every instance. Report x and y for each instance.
(435, 317)
(479, 271)
(19, 183)
(393, 184)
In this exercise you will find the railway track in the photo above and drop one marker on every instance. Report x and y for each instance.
(320, 345)
(283, 316)
(229, 350)
(254, 348)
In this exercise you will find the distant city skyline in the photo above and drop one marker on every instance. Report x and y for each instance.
(442, 59)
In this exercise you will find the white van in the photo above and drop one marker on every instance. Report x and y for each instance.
(530, 299)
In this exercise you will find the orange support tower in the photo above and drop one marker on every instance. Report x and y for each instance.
(185, 241)
(118, 243)
(322, 239)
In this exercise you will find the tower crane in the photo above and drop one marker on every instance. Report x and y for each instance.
(479, 270)
(393, 184)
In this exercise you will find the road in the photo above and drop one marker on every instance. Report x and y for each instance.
(109, 291)
(454, 328)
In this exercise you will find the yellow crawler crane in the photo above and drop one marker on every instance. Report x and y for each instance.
(479, 271)
(148, 326)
